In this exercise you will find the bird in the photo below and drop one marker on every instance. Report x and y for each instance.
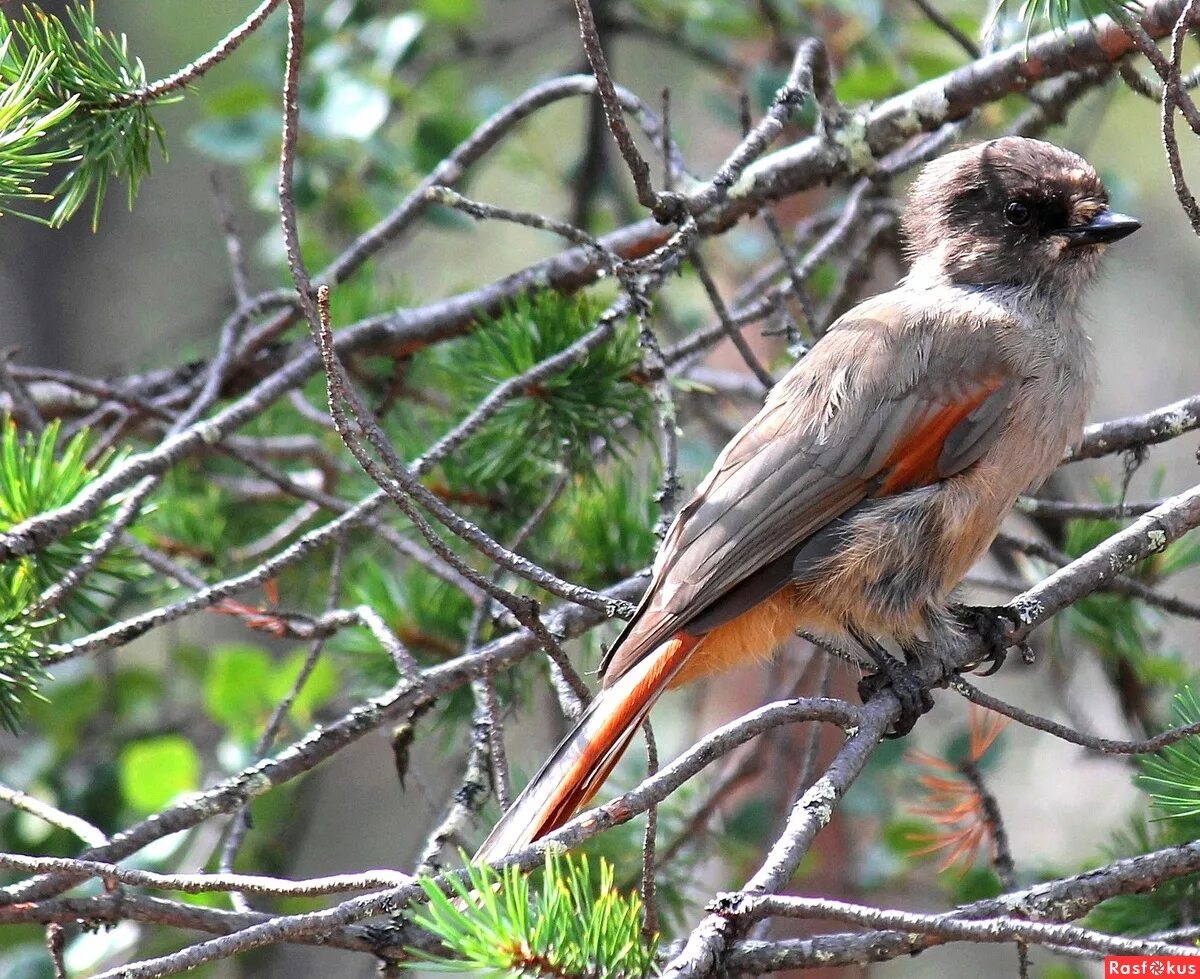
(880, 466)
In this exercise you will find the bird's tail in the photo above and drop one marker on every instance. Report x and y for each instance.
(584, 759)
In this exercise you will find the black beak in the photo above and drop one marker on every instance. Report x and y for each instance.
(1105, 227)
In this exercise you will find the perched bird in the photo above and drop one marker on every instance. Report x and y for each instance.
(881, 465)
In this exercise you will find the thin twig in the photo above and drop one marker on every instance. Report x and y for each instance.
(649, 886)
(56, 945)
(23, 407)
(75, 825)
(734, 334)
(664, 207)
(998, 929)
(947, 27)
(239, 825)
(1035, 506)
(205, 883)
(189, 73)
(1120, 584)
(233, 241)
(1107, 746)
(1173, 97)
(1136, 431)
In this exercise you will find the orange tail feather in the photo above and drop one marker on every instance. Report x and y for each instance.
(584, 759)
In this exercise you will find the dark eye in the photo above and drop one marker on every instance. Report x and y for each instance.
(1016, 212)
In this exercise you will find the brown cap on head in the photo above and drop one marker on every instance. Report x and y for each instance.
(1011, 211)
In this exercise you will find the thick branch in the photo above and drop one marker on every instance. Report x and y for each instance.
(1160, 425)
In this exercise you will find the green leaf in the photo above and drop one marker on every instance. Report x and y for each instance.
(351, 108)
(436, 137)
(1061, 970)
(139, 694)
(456, 13)
(929, 66)
(26, 961)
(868, 82)
(319, 688)
(976, 884)
(907, 836)
(238, 689)
(396, 40)
(154, 771)
(237, 139)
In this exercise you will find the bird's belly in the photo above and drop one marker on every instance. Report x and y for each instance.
(889, 567)
(902, 557)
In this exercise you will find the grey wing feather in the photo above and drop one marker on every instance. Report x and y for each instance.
(813, 453)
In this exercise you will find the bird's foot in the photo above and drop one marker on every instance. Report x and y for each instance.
(993, 624)
(903, 681)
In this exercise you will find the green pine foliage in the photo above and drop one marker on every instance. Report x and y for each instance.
(21, 640)
(1173, 775)
(1060, 13)
(556, 421)
(24, 123)
(501, 923)
(195, 525)
(603, 529)
(1123, 629)
(369, 134)
(1161, 909)
(571, 438)
(62, 79)
(427, 614)
(1171, 778)
(36, 476)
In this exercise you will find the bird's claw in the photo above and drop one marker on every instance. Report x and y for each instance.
(913, 694)
(993, 624)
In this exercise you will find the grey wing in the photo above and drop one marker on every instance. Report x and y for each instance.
(830, 434)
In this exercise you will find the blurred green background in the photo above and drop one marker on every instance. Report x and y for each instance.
(392, 87)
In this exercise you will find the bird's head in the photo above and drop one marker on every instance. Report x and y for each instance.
(1011, 211)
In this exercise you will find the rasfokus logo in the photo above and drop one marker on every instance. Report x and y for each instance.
(1152, 965)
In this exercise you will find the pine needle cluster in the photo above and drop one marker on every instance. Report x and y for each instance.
(1165, 907)
(1173, 775)
(1124, 631)
(573, 925)
(35, 477)
(556, 421)
(1171, 779)
(63, 107)
(1061, 13)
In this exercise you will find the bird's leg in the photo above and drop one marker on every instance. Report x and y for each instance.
(993, 624)
(914, 696)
